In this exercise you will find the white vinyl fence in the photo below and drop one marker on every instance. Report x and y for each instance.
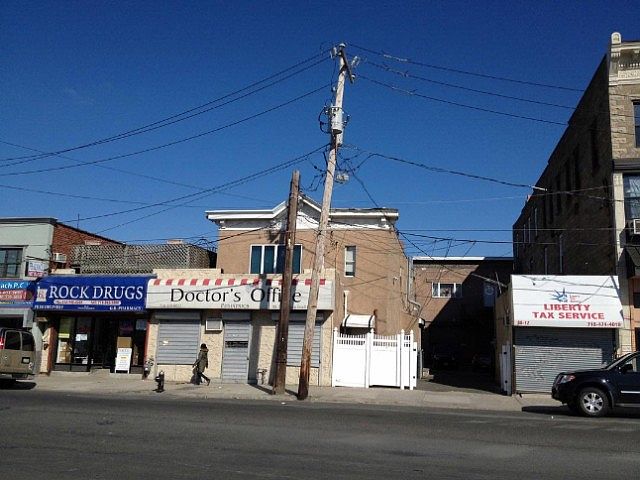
(374, 360)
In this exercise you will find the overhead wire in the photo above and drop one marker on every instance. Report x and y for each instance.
(175, 142)
(463, 72)
(189, 113)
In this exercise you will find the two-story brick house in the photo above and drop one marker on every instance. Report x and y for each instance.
(234, 309)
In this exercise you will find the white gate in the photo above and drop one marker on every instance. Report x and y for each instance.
(368, 360)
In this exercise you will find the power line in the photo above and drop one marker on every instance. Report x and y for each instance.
(192, 137)
(204, 194)
(458, 104)
(445, 170)
(184, 115)
(464, 72)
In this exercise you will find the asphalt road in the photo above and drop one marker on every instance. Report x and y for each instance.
(61, 436)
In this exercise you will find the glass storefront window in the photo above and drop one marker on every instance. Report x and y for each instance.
(90, 342)
(81, 344)
(64, 340)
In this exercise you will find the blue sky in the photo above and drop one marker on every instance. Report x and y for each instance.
(77, 72)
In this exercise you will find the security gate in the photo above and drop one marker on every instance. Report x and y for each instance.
(542, 353)
(235, 353)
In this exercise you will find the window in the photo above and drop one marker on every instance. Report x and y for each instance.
(535, 221)
(12, 340)
(270, 258)
(576, 168)
(515, 245)
(489, 294)
(631, 186)
(446, 290)
(636, 115)
(10, 262)
(595, 153)
(27, 342)
(546, 261)
(558, 197)
(561, 253)
(350, 261)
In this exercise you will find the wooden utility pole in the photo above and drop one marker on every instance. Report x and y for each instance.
(336, 127)
(287, 277)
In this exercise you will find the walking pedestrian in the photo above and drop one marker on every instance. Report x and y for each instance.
(200, 364)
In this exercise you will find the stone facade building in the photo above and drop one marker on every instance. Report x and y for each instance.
(579, 220)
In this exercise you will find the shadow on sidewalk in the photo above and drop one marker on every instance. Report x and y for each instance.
(452, 380)
(269, 390)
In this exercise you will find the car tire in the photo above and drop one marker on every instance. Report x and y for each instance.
(593, 402)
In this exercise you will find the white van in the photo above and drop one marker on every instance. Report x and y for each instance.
(17, 354)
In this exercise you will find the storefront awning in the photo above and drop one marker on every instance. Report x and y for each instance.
(353, 320)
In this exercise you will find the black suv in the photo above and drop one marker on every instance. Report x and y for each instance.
(595, 392)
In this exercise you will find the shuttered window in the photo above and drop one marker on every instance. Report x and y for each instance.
(294, 344)
(178, 342)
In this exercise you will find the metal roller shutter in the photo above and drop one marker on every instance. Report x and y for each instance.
(178, 341)
(542, 353)
(235, 354)
(294, 344)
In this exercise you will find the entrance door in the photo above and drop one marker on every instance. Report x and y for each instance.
(235, 354)
(104, 343)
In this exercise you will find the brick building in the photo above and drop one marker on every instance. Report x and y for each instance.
(372, 271)
(457, 296)
(580, 218)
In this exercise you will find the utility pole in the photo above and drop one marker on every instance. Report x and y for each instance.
(287, 276)
(336, 126)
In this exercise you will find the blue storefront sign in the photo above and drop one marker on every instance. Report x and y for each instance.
(16, 293)
(96, 294)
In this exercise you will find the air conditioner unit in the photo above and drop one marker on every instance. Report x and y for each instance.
(634, 226)
(213, 325)
(59, 257)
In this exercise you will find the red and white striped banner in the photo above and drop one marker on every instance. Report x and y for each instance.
(217, 282)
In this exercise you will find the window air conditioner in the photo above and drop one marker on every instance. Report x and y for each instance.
(62, 258)
(634, 226)
(213, 325)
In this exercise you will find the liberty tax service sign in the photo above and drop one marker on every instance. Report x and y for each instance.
(566, 301)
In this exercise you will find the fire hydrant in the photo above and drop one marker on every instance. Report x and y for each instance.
(160, 381)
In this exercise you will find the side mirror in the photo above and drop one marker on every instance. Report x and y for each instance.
(627, 367)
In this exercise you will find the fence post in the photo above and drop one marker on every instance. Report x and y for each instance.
(403, 362)
(367, 358)
(333, 357)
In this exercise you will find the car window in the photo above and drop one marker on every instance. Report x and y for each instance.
(27, 342)
(634, 362)
(12, 340)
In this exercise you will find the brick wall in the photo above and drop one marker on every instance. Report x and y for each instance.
(573, 230)
(66, 237)
(379, 285)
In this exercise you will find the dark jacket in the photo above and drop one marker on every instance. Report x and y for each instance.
(203, 360)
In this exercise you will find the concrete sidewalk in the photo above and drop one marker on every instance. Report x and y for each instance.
(133, 385)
